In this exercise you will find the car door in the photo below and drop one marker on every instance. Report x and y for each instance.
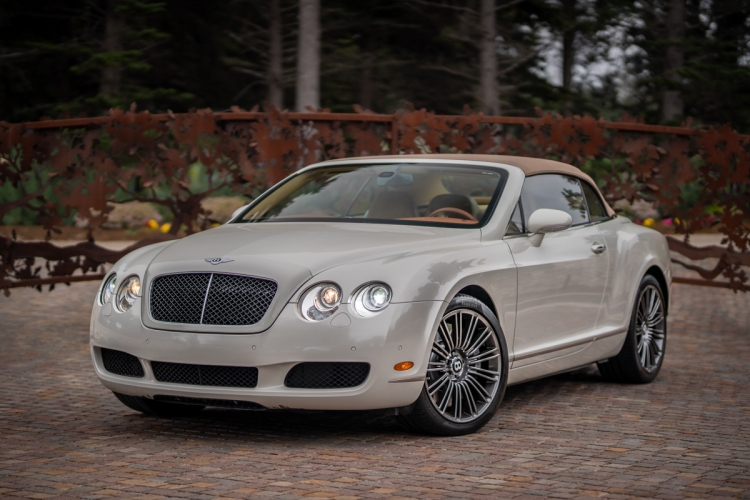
(561, 282)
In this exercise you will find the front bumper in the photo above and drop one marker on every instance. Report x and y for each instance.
(402, 332)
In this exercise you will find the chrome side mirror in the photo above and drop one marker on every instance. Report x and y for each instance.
(545, 220)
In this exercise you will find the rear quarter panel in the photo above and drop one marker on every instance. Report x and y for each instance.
(633, 250)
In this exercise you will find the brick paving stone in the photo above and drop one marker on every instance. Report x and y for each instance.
(570, 436)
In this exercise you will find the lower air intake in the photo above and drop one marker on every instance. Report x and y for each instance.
(219, 376)
(220, 403)
(327, 375)
(121, 363)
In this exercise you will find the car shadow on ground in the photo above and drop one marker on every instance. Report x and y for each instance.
(298, 425)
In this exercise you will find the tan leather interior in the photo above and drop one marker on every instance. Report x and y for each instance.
(393, 205)
(530, 166)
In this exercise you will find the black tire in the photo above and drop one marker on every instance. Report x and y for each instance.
(424, 418)
(157, 408)
(627, 366)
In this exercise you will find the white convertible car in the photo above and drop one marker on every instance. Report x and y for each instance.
(422, 284)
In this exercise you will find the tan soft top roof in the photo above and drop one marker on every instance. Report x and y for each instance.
(530, 166)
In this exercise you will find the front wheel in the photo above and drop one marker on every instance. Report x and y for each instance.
(466, 374)
(642, 354)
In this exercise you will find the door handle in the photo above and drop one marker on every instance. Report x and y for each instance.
(598, 248)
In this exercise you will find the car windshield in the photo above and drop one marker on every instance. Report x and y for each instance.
(417, 194)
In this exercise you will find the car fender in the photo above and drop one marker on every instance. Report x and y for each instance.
(437, 275)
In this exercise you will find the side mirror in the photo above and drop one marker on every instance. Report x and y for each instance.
(238, 211)
(545, 220)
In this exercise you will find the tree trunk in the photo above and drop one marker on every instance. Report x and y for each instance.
(308, 56)
(568, 52)
(488, 87)
(275, 57)
(568, 59)
(672, 106)
(109, 85)
(367, 86)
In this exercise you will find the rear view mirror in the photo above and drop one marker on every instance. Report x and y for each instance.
(392, 179)
(545, 220)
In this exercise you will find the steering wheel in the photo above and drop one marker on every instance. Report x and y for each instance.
(462, 214)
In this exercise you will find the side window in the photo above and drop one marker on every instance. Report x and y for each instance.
(515, 226)
(596, 207)
(555, 191)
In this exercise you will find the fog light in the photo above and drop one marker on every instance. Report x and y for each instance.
(404, 365)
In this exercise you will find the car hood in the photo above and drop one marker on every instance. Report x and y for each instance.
(312, 246)
(290, 253)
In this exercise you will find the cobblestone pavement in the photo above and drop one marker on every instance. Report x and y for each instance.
(573, 435)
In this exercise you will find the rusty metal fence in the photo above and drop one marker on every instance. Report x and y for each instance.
(58, 169)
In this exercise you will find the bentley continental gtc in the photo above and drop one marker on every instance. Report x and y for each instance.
(419, 284)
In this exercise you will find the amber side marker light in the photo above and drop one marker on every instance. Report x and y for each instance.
(404, 365)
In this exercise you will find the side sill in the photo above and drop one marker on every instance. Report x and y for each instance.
(567, 345)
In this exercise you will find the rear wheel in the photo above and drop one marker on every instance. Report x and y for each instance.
(642, 354)
(466, 374)
(157, 408)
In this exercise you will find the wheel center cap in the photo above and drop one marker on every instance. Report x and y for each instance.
(457, 365)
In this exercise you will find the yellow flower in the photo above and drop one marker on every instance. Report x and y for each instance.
(152, 224)
(648, 222)
(677, 221)
(166, 227)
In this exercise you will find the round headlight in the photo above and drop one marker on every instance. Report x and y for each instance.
(320, 301)
(377, 297)
(108, 289)
(129, 290)
(370, 299)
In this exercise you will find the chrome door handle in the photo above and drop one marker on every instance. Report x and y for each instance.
(598, 248)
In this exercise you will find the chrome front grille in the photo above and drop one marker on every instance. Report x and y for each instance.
(179, 298)
(210, 298)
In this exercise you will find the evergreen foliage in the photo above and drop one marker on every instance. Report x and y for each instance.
(85, 56)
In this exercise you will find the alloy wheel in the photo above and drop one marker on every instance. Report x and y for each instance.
(649, 329)
(464, 367)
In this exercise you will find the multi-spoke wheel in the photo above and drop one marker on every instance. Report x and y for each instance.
(650, 330)
(642, 353)
(466, 373)
(464, 368)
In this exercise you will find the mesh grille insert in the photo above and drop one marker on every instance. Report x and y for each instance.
(178, 298)
(237, 300)
(121, 363)
(327, 375)
(221, 376)
(221, 403)
(210, 298)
